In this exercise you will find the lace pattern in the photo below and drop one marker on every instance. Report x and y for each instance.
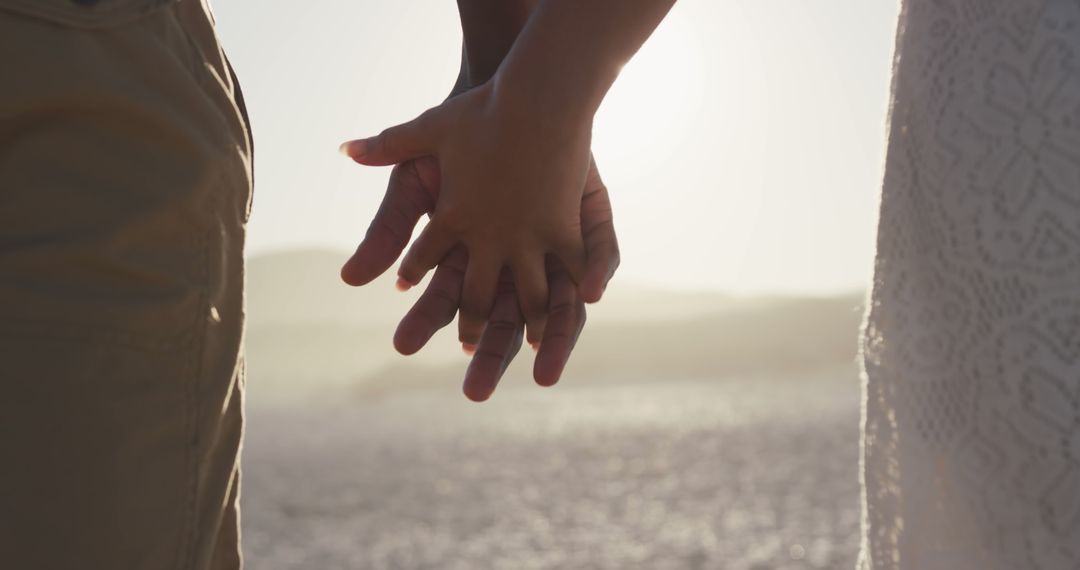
(971, 443)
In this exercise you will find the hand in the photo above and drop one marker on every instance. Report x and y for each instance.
(511, 189)
(413, 191)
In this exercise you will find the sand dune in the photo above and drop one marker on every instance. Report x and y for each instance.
(308, 330)
(302, 287)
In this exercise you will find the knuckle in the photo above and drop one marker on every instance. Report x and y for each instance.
(441, 297)
(601, 233)
(453, 222)
(556, 335)
(498, 354)
(391, 142)
(488, 353)
(562, 308)
(427, 117)
(450, 275)
(435, 318)
(383, 224)
(503, 325)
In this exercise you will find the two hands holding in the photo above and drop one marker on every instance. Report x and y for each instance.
(509, 249)
(520, 234)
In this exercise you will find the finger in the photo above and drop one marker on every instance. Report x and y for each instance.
(530, 280)
(601, 243)
(477, 295)
(426, 252)
(397, 144)
(571, 255)
(436, 307)
(410, 194)
(566, 318)
(499, 344)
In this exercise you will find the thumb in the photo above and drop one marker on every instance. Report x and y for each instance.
(395, 145)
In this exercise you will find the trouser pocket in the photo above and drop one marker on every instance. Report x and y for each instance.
(85, 14)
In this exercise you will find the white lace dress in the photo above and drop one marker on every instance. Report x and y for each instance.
(971, 451)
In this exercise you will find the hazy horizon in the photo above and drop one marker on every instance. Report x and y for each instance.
(307, 329)
(619, 284)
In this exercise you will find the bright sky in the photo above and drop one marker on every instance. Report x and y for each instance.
(743, 146)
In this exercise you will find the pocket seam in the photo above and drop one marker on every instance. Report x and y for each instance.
(209, 78)
(66, 14)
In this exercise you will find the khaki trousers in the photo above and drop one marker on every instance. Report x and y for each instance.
(125, 185)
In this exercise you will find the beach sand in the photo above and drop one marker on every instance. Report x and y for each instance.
(738, 474)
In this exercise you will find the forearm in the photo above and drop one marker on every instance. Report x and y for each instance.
(489, 29)
(570, 52)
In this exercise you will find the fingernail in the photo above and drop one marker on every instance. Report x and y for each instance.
(403, 285)
(354, 148)
(468, 348)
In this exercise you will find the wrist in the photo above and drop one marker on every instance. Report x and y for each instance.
(539, 116)
(546, 94)
(558, 65)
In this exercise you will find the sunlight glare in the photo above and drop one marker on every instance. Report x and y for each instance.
(654, 99)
